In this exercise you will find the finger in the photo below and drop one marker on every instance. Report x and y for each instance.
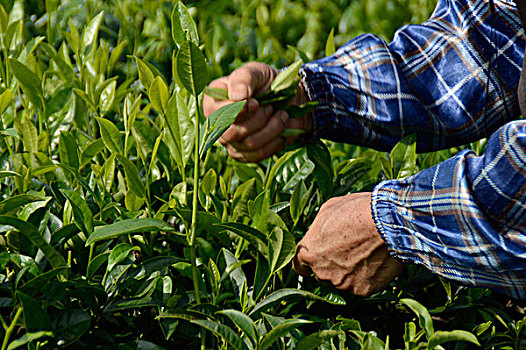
(264, 135)
(249, 80)
(244, 127)
(301, 266)
(273, 147)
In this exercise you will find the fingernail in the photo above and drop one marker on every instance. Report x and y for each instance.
(284, 116)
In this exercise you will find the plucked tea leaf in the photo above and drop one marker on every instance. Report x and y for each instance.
(159, 94)
(127, 227)
(191, 68)
(218, 122)
(296, 111)
(111, 136)
(292, 132)
(133, 179)
(81, 211)
(183, 23)
(216, 93)
(286, 78)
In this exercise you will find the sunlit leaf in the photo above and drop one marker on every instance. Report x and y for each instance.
(158, 94)
(133, 179)
(441, 337)
(127, 227)
(329, 46)
(279, 331)
(286, 78)
(83, 215)
(183, 25)
(91, 31)
(191, 68)
(111, 136)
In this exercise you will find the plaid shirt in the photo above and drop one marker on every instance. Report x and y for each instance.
(464, 219)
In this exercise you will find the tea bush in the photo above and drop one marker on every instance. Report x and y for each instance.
(123, 225)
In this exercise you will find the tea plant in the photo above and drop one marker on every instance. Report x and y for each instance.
(123, 225)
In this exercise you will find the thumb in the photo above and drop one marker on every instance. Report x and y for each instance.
(251, 79)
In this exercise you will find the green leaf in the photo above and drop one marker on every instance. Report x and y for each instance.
(111, 136)
(191, 68)
(183, 23)
(74, 38)
(280, 331)
(424, 318)
(441, 337)
(95, 264)
(298, 199)
(30, 82)
(14, 202)
(107, 97)
(296, 111)
(128, 226)
(216, 93)
(133, 179)
(35, 318)
(218, 122)
(68, 150)
(145, 74)
(330, 49)
(92, 149)
(81, 211)
(28, 337)
(38, 282)
(244, 323)
(223, 332)
(27, 229)
(319, 154)
(119, 253)
(159, 94)
(253, 236)
(284, 295)
(179, 131)
(287, 132)
(403, 157)
(314, 340)
(287, 77)
(281, 247)
(29, 135)
(91, 31)
(5, 100)
(70, 324)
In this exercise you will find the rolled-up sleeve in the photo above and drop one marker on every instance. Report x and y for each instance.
(430, 80)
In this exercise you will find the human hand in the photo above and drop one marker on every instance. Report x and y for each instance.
(344, 248)
(256, 133)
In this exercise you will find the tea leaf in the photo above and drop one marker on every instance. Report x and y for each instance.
(28, 337)
(70, 324)
(92, 149)
(281, 247)
(319, 154)
(68, 150)
(30, 82)
(256, 238)
(35, 318)
(314, 340)
(107, 97)
(159, 94)
(91, 31)
(119, 253)
(83, 215)
(330, 49)
(216, 93)
(145, 74)
(217, 124)
(133, 179)
(286, 78)
(441, 337)
(95, 264)
(280, 331)
(111, 136)
(127, 227)
(403, 157)
(183, 24)
(292, 132)
(223, 332)
(5, 100)
(424, 318)
(27, 229)
(244, 323)
(29, 135)
(191, 68)
(14, 202)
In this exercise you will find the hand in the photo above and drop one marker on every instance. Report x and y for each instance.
(344, 248)
(255, 135)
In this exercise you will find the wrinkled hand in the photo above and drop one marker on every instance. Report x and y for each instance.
(344, 248)
(255, 135)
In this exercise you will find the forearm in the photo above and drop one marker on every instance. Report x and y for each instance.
(430, 80)
(464, 219)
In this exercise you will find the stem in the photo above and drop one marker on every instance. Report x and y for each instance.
(11, 328)
(193, 226)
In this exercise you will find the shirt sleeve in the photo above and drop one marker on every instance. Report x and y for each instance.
(464, 219)
(431, 80)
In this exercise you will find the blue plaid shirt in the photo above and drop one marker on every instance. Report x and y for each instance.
(464, 219)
